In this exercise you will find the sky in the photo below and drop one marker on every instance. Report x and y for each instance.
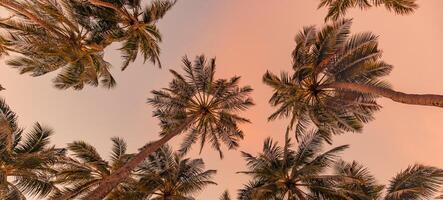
(247, 38)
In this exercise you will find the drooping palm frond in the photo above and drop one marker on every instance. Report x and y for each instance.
(415, 182)
(339, 8)
(26, 161)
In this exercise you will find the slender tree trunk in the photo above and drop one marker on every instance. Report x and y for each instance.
(413, 99)
(110, 182)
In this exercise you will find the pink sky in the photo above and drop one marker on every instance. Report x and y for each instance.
(249, 37)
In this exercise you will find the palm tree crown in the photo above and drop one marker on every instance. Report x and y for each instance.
(320, 58)
(209, 105)
(25, 160)
(283, 173)
(71, 35)
(335, 81)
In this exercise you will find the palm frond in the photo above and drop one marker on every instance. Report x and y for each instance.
(415, 182)
(339, 8)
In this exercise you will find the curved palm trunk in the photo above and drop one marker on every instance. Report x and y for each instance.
(110, 182)
(413, 99)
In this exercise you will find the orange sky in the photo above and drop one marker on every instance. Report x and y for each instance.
(248, 37)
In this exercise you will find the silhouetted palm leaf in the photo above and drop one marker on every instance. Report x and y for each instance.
(416, 182)
(339, 8)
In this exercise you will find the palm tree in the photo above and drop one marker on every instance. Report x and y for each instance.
(51, 35)
(165, 175)
(282, 173)
(85, 169)
(336, 80)
(198, 104)
(339, 8)
(414, 183)
(26, 161)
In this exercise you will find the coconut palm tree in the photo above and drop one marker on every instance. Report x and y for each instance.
(166, 175)
(339, 8)
(197, 104)
(414, 183)
(26, 161)
(336, 80)
(85, 169)
(51, 35)
(283, 173)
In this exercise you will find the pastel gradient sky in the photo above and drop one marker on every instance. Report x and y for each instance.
(249, 37)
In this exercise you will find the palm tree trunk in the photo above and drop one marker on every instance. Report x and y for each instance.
(413, 99)
(110, 182)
